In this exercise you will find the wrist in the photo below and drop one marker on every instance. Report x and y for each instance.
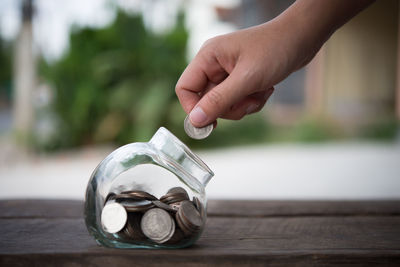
(312, 22)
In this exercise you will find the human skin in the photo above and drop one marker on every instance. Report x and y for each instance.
(233, 75)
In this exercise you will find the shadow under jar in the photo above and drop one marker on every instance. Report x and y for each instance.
(148, 195)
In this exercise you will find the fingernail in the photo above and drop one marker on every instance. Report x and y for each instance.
(251, 108)
(197, 116)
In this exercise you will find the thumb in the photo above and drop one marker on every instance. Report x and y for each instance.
(219, 99)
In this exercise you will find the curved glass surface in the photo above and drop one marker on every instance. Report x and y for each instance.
(155, 167)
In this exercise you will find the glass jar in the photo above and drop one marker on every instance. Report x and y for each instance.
(148, 195)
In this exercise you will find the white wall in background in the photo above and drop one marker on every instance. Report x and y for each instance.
(326, 171)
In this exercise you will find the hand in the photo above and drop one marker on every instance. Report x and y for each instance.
(233, 75)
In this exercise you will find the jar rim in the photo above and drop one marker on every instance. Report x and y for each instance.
(185, 149)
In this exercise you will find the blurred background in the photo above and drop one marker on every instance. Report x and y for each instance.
(80, 78)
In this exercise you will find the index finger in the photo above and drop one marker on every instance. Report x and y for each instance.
(192, 81)
(204, 71)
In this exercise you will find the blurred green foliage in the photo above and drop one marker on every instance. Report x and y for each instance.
(313, 129)
(381, 130)
(116, 84)
(250, 130)
(5, 71)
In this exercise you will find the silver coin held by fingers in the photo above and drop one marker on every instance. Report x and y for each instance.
(197, 133)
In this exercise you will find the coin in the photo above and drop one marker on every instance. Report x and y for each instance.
(173, 198)
(186, 230)
(158, 225)
(163, 206)
(136, 205)
(177, 237)
(189, 216)
(175, 194)
(113, 217)
(177, 189)
(175, 206)
(110, 196)
(132, 229)
(195, 132)
(172, 219)
(135, 194)
(199, 207)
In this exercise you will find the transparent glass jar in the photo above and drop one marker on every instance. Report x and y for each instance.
(153, 168)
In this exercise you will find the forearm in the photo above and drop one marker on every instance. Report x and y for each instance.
(312, 22)
(235, 73)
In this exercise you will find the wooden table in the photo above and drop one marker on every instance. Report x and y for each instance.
(285, 233)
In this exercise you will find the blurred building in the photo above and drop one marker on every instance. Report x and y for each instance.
(353, 80)
(24, 73)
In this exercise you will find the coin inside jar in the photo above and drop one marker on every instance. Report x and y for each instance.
(113, 217)
(177, 189)
(158, 225)
(173, 198)
(195, 132)
(199, 206)
(169, 220)
(135, 194)
(177, 237)
(132, 229)
(163, 206)
(175, 194)
(110, 196)
(136, 205)
(189, 218)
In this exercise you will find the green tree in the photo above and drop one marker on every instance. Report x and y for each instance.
(117, 83)
(5, 71)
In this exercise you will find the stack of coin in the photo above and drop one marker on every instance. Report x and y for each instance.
(132, 230)
(175, 195)
(138, 216)
(199, 207)
(188, 218)
(134, 195)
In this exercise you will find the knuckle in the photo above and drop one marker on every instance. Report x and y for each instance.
(212, 46)
(252, 78)
(249, 75)
(214, 98)
(210, 43)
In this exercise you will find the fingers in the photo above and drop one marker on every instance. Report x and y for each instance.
(199, 76)
(239, 84)
(217, 83)
(250, 104)
(192, 81)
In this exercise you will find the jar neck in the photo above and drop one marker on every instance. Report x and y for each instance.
(170, 145)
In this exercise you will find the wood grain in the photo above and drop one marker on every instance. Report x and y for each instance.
(254, 208)
(225, 208)
(54, 238)
(41, 208)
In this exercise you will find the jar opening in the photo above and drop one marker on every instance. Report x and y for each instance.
(170, 145)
